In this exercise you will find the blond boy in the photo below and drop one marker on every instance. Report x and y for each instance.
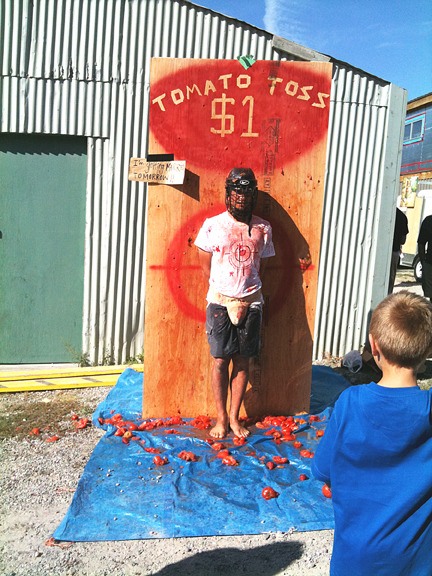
(377, 452)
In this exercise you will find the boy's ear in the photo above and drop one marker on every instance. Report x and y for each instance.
(374, 348)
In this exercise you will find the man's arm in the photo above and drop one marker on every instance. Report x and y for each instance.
(205, 262)
(421, 251)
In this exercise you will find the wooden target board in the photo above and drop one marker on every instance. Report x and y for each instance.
(216, 115)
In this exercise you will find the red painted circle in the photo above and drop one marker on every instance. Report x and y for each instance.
(178, 285)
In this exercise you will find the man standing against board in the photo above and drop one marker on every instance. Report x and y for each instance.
(231, 248)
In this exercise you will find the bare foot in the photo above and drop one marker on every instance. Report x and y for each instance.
(238, 429)
(220, 430)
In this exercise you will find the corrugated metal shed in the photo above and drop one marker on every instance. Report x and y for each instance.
(81, 67)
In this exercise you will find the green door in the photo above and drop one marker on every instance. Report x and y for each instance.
(42, 228)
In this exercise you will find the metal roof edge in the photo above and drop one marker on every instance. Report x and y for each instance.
(289, 47)
(420, 101)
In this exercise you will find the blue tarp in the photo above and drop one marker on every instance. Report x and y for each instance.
(123, 495)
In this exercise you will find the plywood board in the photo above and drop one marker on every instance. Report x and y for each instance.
(215, 115)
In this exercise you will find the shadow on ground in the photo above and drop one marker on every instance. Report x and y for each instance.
(260, 561)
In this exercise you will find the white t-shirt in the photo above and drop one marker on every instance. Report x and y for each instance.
(237, 249)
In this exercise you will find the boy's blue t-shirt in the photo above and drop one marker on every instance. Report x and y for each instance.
(377, 455)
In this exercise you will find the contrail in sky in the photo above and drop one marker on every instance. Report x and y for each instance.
(285, 18)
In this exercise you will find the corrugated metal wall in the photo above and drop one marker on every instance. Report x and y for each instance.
(81, 67)
(363, 163)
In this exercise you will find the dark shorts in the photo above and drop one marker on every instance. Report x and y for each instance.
(427, 279)
(226, 340)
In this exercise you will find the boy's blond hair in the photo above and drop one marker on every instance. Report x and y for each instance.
(401, 325)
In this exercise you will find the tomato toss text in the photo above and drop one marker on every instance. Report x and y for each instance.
(222, 107)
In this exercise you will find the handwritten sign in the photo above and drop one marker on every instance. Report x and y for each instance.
(217, 116)
(157, 172)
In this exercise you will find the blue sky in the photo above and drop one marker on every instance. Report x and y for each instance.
(391, 39)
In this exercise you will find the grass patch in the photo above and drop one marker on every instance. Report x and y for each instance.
(51, 417)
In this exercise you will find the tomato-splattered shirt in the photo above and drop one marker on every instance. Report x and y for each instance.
(237, 249)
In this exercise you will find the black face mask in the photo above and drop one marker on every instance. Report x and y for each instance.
(240, 200)
(241, 193)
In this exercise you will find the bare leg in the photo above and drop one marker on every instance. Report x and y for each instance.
(239, 380)
(220, 382)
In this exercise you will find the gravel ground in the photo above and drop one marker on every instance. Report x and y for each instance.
(38, 480)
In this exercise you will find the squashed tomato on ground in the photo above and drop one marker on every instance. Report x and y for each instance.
(239, 441)
(217, 446)
(280, 460)
(303, 477)
(222, 454)
(35, 431)
(268, 493)
(160, 461)
(187, 456)
(131, 426)
(229, 461)
(319, 433)
(260, 425)
(270, 465)
(306, 454)
(82, 423)
(152, 450)
(52, 439)
(201, 422)
(326, 490)
(297, 444)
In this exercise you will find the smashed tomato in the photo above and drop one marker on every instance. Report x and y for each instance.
(239, 440)
(152, 450)
(261, 425)
(222, 454)
(52, 439)
(303, 477)
(280, 460)
(174, 421)
(187, 456)
(229, 461)
(218, 446)
(82, 423)
(160, 461)
(201, 422)
(270, 465)
(319, 433)
(326, 490)
(306, 454)
(297, 444)
(268, 493)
